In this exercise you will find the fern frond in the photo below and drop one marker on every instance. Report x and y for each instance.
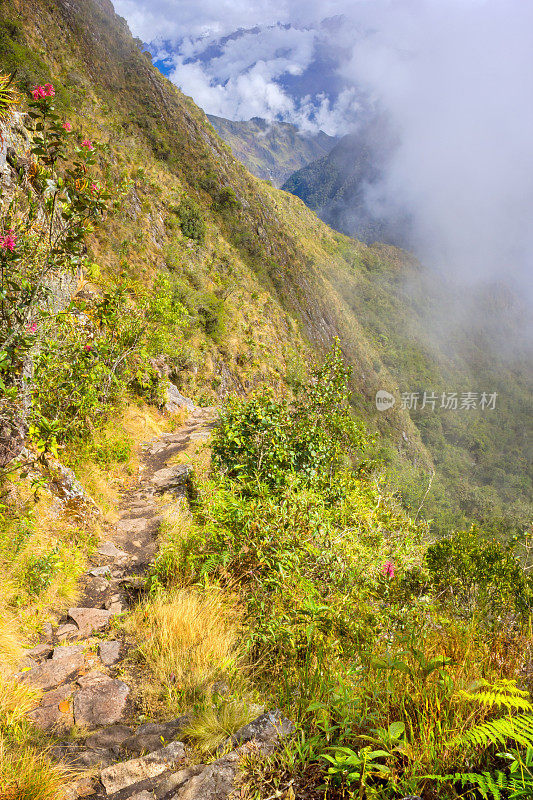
(488, 785)
(9, 97)
(503, 693)
(499, 731)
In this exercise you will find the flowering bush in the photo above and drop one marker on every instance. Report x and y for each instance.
(42, 240)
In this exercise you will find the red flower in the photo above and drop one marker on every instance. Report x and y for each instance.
(388, 569)
(8, 242)
(49, 90)
(39, 92)
(88, 144)
(88, 348)
(67, 126)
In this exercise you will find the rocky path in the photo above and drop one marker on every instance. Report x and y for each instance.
(86, 704)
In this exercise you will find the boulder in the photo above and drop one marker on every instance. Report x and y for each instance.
(176, 401)
(128, 773)
(266, 730)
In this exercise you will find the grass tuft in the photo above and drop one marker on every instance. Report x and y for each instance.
(213, 725)
(26, 774)
(193, 642)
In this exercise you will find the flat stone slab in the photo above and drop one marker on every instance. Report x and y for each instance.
(170, 783)
(110, 737)
(102, 702)
(120, 776)
(154, 735)
(67, 631)
(90, 619)
(100, 572)
(52, 673)
(214, 782)
(66, 650)
(39, 652)
(111, 550)
(54, 710)
(109, 652)
(170, 478)
(133, 525)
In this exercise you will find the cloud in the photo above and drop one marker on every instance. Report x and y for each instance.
(456, 81)
(241, 60)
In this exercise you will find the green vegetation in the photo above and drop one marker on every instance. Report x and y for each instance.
(191, 223)
(135, 250)
(399, 662)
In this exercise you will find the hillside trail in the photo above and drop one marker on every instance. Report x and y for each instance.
(87, 713)
(78, 662)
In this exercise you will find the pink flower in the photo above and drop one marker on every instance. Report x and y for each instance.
(388, 569)
(49, 90)
(39, 92)
(94, 188)
(88, 348)
(88, 144)
(67, 126)
(32, 327)
(8, 242)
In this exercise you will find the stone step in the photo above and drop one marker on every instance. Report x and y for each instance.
(128, 773)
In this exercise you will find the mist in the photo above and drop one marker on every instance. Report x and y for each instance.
(456, 81)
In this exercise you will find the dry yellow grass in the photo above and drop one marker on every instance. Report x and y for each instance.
(187, 641)
(10, 647)
(16, 700)
(26, 774)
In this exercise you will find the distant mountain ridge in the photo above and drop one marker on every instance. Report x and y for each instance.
(336, 186)
(272, 150)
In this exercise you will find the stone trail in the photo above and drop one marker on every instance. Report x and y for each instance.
(78, 670)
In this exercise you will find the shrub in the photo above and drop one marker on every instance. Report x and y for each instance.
(192, 223)
(479, 575)
(226, 200)
(263, 440)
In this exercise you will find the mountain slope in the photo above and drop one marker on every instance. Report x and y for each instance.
(271, 150)
(336, 185)
(269, 286)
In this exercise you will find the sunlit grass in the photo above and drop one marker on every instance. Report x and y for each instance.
(187, 641)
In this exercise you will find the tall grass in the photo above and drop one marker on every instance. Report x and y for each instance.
(188, 641)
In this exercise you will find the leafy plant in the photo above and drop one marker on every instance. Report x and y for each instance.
(9, 96)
